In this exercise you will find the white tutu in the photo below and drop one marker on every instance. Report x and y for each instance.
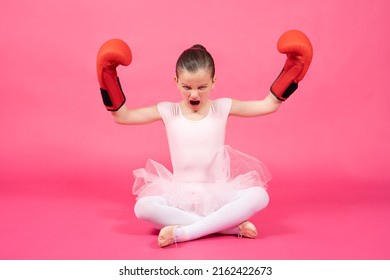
(231, 171)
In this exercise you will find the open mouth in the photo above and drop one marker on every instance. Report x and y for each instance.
(194, 102)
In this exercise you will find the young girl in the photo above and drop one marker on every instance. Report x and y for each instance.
(213, 188)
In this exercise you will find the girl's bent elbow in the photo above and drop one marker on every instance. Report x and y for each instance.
(118, 119)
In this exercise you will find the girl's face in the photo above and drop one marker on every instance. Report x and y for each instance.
(195, 88)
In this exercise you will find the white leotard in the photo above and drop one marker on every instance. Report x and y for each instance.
(194, 144)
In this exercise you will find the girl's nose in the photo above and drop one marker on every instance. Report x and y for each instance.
(193, 93)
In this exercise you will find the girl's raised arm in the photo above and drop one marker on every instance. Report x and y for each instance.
(111, 54)
(144, 115)
(297, 46)
(255, 108)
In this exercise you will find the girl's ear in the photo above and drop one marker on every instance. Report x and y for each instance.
(176, 81)
(214, 80)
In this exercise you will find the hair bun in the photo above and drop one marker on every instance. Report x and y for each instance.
(198, 47)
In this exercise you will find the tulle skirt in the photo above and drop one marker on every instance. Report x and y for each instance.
(231, 171)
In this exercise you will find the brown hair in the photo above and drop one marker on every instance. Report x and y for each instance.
(195, 58)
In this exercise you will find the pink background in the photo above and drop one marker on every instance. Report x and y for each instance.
(65, 167)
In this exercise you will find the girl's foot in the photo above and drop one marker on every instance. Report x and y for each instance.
(247, 229)
(166, 236)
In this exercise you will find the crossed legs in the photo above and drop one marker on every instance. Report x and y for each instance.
(181, 226)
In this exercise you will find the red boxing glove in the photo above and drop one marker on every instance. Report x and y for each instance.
(111, 54)
(299, 51)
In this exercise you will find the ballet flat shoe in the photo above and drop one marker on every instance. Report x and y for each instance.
(166, 236)
(247, 229)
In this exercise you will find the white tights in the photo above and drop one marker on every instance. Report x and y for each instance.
(246, 203)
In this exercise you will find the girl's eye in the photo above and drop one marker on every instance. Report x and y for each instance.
(186, 87)
(202, 88)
